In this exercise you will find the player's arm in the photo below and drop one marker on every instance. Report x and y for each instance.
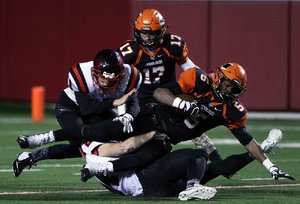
(164, 95)
(88, 105)
(186, 83)
(132, 106)
(127, 146)
(188, 64)
(255, 150)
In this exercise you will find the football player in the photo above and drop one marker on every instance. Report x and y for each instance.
(216, 103)
(156, 53)
(188, 166)
(95, 89)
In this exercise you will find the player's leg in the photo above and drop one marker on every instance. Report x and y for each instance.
(103, 131)
(234, 163)
(159, 178)
(145, 155)
(66, 118)
(204, 142)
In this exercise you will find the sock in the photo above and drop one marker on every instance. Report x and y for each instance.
(215, 156)
(40, 155)
(192, 182)
(110, 167)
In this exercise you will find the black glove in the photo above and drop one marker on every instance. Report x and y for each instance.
(164, 138)
(277, 173)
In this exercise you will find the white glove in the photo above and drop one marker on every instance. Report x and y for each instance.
(277, 173)
(126, 120)
(190, 108)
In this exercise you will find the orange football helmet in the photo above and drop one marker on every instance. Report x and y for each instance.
(229, 81)
(149, 29)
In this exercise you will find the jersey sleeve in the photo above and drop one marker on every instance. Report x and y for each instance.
(176, 48)
(89, 106)
(129, 51)
(236, 116)
(135, 79)
(76, 79)
(187, 80)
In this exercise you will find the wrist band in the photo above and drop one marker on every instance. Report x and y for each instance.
(176, 102)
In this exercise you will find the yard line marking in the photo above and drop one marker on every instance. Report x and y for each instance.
(50, 192)
(258, 186)
(104, 190)
(290, 144)
(9, 170)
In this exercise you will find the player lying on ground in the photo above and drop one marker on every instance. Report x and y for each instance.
(180, 173)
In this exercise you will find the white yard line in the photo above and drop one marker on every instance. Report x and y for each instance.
(92, 191)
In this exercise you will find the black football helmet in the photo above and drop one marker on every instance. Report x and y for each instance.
(108, 70)
(149, 29)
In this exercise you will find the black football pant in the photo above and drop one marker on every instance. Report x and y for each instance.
(226, 167)
(168, 175)
(67, 115)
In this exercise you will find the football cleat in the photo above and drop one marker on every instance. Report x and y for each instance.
(274, 137)
(33, 141)
(85, 174)
(23, 142)
(23, 160)
(197, 192)
(92, 169)
(203, 142)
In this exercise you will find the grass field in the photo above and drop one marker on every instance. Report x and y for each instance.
(58, 181)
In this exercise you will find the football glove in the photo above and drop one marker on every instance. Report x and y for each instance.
(126, 120)
(164, 138)
(277, 173)
(190, 108)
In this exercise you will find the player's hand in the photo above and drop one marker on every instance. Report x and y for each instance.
(277, 173)
(126, 120)
(164, 138)
(190, 108)
(123, 99)
(193, 109)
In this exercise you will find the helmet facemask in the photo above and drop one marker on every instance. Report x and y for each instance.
(149, 39)
(107, 82)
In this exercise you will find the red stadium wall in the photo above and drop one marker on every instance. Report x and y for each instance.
(40, 40)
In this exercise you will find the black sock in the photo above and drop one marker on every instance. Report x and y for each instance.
(215, 156)
(40, 155)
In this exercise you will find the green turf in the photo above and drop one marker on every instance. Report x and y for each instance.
(57, 181)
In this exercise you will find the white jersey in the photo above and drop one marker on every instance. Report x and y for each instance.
(80, 79)
(128, 182)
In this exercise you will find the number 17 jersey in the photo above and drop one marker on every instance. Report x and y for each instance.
(157, 67)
